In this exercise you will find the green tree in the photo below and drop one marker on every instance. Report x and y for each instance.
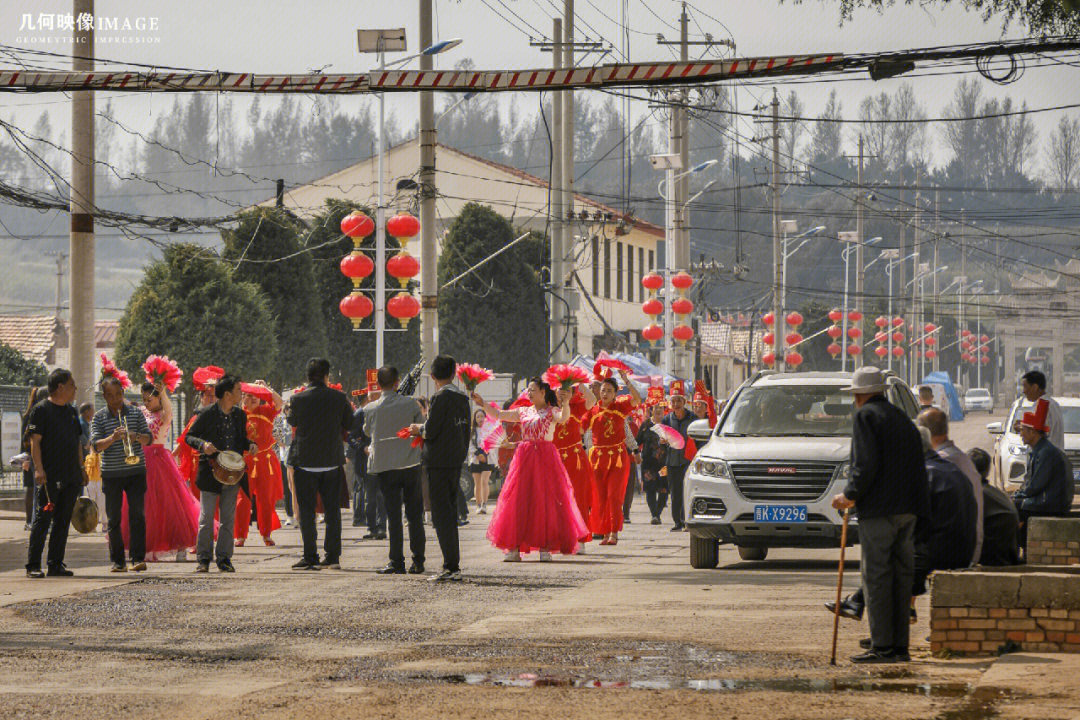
(351, 352)
(1044, 17)
(496, 315)
(191, 308)
(16, 369)
(265, 249)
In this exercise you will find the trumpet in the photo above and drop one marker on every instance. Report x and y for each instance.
(130, 458)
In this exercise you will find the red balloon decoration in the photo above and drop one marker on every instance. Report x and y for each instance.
(357, 225)
(854, 333)
(767, 319)
(682, 306)
(652, 282)
(794, 319)
(834, 349)
(652, 307)
(854, 349)
(356, 306)
(793, 359)
(403, 225)
(834, 331)
(404, 307)
(881, 351)
(769, 358)
(854, 316)
(682, 281)
(769, 339)
(682, 333)
(652, 333)
(793, 338)
(835, 315)
(899, 352)
(403, 266)
(356, 266)
(881, 321)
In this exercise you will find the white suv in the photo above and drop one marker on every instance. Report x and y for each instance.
(1011, 453)
(766, 476)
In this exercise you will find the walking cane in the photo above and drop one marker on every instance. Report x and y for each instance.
(839, 586)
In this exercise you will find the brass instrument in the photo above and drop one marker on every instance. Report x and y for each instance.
(130, 458)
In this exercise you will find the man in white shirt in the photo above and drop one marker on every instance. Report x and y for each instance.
(1033, 385)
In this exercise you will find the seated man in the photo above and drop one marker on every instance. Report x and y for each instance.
(1001, 523)
(1048, 483)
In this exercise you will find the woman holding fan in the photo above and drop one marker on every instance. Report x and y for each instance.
(536, 508)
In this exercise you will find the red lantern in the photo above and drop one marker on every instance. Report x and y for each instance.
(834, 332)
(854, 316)
(652, 307)
(767, 319)
(984, 350)
(682, 333)
(931, 341)
(357, 225)
(835, 315)
(929, 327)
(356, 306)
(881, 351)
(899, 352)
(404, 307)
(965, 357)
(834, 350)
(356, 266)
(794, 319)
(403, 266)
(854, 333)
(898, 337)
(652, 282)
(652, 333)
(931, 354)
(965, 345)
(769, 359)
(984, 339)
(881, 337)
(898, 322)
(681, 281)
(984, 360)
(403, 225)
(854, 349)
(881, 321)
(769, 339)
(966, 333)
(793, 338)
(793, 359)
(682, 306)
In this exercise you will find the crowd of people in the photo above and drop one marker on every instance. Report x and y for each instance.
(570, 461)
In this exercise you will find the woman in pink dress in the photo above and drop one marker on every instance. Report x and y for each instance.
(536, 509)
(172, 512)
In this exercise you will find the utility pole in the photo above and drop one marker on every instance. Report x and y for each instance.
(916, 311)
(558, 214)
(60, 258)
(937, 237)
(81, 244)
(562, 353)
(682, 185)
(860, 266)
(778, 255)
(429, 281)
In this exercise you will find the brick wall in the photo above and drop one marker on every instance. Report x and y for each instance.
(981, 631)
(1053, 552)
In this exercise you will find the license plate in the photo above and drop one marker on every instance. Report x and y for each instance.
(780, 513)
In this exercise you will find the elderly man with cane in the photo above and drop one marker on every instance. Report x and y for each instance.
(889, 490)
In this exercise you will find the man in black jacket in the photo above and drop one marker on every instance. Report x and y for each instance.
(222, 426)
(446, 443)
(888, 488)
(322, 417)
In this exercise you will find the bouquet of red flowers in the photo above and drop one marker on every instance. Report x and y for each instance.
(472, 375)
(404, 433)
(565, 376)
(159, 368)
(109, 369)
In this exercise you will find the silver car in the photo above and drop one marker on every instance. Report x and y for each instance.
(766, 476)
(1010, 452)
(978, 399)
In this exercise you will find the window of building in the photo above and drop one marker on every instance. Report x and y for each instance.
(595, 265)
(641, 273)
(607, 268)
(630, 273)
(618, 271)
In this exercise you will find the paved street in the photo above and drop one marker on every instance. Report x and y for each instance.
(747, 640)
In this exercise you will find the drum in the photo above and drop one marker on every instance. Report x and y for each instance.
(228, 467)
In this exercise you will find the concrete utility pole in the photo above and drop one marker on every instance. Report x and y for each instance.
(682, 185)
(562, 353)
(916, 310)
(860, 265)
(81, 246)
(777, 251)
(558, 214)
(429, 280)
(937, 237)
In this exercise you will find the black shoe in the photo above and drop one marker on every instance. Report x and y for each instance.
(462, 522)
(447, 576)
(866, 644)
(330, 564)
(59, 571)
(626, 521)
(416, 569)
(370, 536)
(914, 616)
(305, 565)
(118, 567)
(202, 567)
(677, 528)
(34, 573)
(848, 609)
(226, 567)
(655, 520)
(874, 656)
(380, 536)
(391, 569)
(901, 655)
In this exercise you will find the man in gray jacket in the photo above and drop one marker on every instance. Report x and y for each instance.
(396, 463)
(937, 423)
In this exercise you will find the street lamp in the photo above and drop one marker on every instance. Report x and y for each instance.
(851, 243)
(789, 226)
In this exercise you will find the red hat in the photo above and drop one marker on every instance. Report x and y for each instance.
(677, 389)
(206, 377)
(655, 396)
(263, 393)
(700, 397)
(1037, 420)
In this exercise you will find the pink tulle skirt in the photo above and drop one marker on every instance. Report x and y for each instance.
(172, 512)
(536, 509)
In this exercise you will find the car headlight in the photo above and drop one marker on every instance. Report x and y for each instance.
(843, 473)
(1017, 449)
(712, 468)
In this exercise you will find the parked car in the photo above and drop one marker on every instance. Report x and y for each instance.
(765, 477)
(978, 399)
(1010, 452)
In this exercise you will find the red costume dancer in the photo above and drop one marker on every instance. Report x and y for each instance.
(608, 456)
(263, 469)
(187, 458)
(568, 442)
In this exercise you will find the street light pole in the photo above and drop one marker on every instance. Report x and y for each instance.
(380, 231)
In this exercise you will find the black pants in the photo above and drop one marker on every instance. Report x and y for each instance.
(58, 519)
(655, 490)
(400, 487)
(327, 485)
(462, 502)
(114, 489)
(675, 476)
(888, 571)
(370, 503)
(444, 488)
(285, 488)
(631, 488)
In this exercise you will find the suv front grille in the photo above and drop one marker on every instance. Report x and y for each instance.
(777, 481)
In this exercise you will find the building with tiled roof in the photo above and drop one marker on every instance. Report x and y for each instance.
(729, 352)
(44, 338)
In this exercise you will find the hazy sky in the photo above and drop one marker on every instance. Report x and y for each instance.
(287, 36)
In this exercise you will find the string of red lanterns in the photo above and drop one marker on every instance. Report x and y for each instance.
(680, 306)
(357, 266)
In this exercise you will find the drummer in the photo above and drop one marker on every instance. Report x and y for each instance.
(220, 427)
